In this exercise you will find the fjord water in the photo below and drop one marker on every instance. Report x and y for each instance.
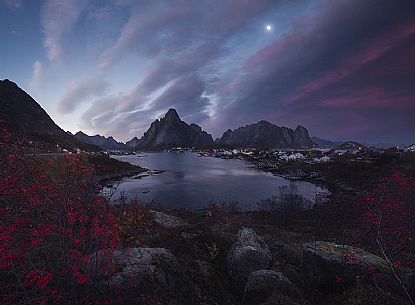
(194, 182)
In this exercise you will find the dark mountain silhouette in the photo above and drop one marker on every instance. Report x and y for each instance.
(133, 143)
(266, 135)
(350, 145)
(325, 143)
(171, 131)
(27, 121)
(101, 141)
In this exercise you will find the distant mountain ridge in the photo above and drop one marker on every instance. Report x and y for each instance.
(27, 121)
(133, 143)
(170, 131)
(266, 135)
(105, 143)
(324, 143)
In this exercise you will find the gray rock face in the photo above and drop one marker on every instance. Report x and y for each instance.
(168, 221)
(262, 283)
(133, 143)
(266, 135)
(248, 254)
(301, 137)
(171, 131)
(323, 262)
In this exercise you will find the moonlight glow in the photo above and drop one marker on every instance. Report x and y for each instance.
(268, 28)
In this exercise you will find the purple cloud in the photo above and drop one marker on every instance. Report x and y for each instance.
(341, 68)
(57, 19)
(335, 73)
(79, 92)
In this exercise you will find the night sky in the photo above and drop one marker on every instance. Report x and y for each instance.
(345, 69)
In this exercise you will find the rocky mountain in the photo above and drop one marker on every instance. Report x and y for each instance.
(100, 141)
(324, 143)
(171, 131)
(133, 143)
(266, 135)
(350, 145)
(27, 121)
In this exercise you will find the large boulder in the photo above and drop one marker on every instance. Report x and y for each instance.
(249, 253)
(139, 263)
(287, 259)
(150, 271)
(284, 254)
(262, 284)
(328, 264)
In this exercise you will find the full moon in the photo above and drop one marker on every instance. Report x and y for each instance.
(268, 28)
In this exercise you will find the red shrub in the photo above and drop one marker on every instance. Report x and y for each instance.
(51, 225)
(391, 219)
(390, 216)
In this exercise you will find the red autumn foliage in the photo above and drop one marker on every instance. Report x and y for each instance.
(51, 225)
(390, 218)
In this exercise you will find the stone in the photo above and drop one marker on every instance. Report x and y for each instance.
(248, 254)
(167, 221)
(324, 263)
(285, 254)
(262, 284)
(153, 271)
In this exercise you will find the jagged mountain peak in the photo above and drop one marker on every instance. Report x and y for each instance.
(171, 117)
(264, 134)
(263, 122)
(172, 113)
(106, 143)
(300, 127)
(171, 131)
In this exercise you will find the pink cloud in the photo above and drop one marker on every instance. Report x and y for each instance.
(374, 50)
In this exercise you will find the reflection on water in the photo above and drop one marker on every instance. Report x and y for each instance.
(194, 182)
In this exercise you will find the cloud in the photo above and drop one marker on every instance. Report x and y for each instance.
(334, 70)
(13, 4)
(79, 92)
(185, 94)
(181, 40)
(164, 27)
(37, 75)
(15, 33)
(341, 68)
(57, 19)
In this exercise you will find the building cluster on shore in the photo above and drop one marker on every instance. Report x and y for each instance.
(290, 163)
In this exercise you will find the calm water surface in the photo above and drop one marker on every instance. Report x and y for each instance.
(194, 182)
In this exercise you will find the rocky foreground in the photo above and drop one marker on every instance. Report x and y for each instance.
(212, 257)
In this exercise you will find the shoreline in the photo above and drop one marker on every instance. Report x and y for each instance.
(317, 189)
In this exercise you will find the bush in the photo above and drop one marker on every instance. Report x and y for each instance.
(285, 207)
(230, 207)
(51, 225)
(390, 219)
